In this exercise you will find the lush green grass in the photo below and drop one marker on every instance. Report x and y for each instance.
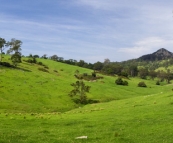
(135, 120)
(35, 107)
(29, 90)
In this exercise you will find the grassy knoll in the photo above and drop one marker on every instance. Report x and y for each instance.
(140, 119)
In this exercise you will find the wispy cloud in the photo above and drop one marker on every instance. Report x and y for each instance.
(91, 30)
(146, 46)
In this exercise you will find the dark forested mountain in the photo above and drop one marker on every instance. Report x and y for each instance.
(161, 54)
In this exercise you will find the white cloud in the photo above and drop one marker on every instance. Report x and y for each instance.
(91, 30)
(146, 46)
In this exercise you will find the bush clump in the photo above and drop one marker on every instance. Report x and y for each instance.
(157, 83)
(31, 60)
(142, 84)
(40, 63)
(119, 81)
(46, 67)
(55, 71)
(43, 69)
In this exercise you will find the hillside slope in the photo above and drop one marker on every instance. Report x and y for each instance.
(140, 119)
(27, 89)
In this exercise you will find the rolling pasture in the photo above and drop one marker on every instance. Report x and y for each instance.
(35, 107)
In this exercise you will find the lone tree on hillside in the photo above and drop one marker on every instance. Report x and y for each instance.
(16, 58)
(2, 47)
(80, 89)
(15, 48)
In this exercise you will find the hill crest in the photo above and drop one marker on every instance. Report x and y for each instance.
(161, 54)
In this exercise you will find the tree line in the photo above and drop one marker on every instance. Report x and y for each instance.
(127, 68)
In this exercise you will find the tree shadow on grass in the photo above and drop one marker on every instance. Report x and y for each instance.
(26, 70)
(8, 65)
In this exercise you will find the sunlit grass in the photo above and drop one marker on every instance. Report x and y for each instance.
(139, 119)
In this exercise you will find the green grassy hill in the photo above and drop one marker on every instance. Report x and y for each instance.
(140, 119)
(27, 89)
(35, 107)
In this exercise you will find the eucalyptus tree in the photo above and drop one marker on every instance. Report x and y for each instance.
(2, 47)
(80, 89)
(15, 48)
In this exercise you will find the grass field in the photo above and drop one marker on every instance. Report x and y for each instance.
(29, 90)
(35, 107)
(135, 120)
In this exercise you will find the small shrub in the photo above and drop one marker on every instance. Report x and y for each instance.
(85, 74)
(93, 74)
(55, 70)
(119, 81)
(157, 83)
(125, 74)
(29, 61)
(46, 67)
(39, 63)
(125, 83)
(142, 84)
(43, 69)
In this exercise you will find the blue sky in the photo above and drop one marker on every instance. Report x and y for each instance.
(90, 30)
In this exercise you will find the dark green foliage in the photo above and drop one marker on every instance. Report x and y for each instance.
(43, 69)
(28, 61)
(55, 71)
(6, 64)
(40, 63)
(157, 82)
(86, 76)
(98, 66)
(142, 84)
(15, 46)
(16, 58)
(168, 77)
(35, 56)
(112, 69)
(34, 60)
(125, 83)
(94, 74)
(81, 63)
(161, 54)
(2, 47)
(132, 68)
(44, 56)
(80, 89)
(119, 81)
(152, 74)
(46, 67)
(54, 58)
(125, 74)
(143, 73)
(31, 60)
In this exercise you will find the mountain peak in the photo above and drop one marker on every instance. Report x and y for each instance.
(162, 50)
(160, 54)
